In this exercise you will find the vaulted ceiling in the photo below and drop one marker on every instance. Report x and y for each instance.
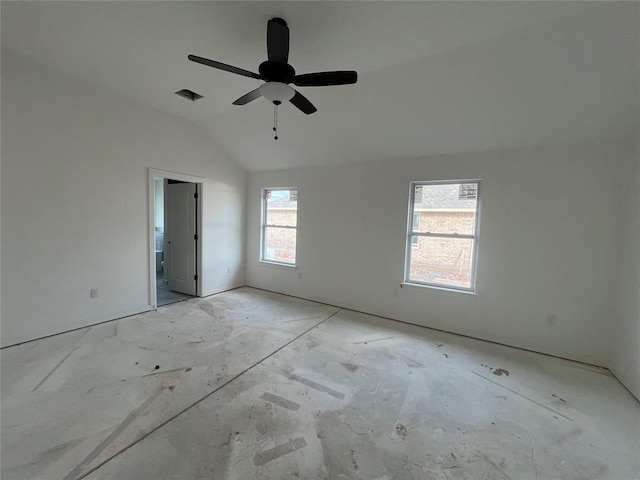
(434, 77)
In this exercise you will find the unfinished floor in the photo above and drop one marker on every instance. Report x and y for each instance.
(254, 385)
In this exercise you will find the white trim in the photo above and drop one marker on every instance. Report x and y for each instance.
(269, 263)
(293, 227)
(463, 236)
(182, 177)
(438, 287)
(446, 182)
(446, 210)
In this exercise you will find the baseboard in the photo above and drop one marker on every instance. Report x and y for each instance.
(443, 330)
(225, 289)
(89, 323)
(617, 377)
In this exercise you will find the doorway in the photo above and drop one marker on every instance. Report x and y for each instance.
(175, 216)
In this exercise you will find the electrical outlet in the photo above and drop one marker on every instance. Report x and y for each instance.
(93, 293)
(551, 319)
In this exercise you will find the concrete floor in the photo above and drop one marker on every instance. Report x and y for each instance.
(164, 296)
(253, 385)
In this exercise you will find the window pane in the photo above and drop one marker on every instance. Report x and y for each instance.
(468, 190)
(282, 207)
(280, 245)
(417, 196)
(442, 210)
(442, 261)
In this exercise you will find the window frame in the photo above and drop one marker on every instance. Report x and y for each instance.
(263, 226)
(410, 234)
(417, 242)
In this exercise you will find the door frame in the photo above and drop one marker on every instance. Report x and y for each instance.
(153, 173)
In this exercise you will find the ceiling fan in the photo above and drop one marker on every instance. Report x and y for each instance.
(278, 74)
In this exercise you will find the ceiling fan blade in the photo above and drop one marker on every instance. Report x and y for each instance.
(224, 66)
(249, 97)
(303, 103)
(277, 40)
(324, 79)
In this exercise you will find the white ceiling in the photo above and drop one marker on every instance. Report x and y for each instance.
(434, 77)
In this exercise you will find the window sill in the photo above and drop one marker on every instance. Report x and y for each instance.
(439, 289)
(267, 263)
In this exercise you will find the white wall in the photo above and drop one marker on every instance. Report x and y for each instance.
(625, 348)
(626, 335)
(548, 242)
(75, 162)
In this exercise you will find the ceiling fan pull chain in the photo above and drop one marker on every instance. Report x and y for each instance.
(275, 120)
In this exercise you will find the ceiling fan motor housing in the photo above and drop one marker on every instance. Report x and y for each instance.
(273, 71)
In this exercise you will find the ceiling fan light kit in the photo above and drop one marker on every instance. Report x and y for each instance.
(278, 74)
(277, 92)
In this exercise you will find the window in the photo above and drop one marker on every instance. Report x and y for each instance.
(279, 224)
(442, 237)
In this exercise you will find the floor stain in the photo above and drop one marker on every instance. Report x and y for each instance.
(372, 340)
(301, 319)
(95, 453)
(153, 374)
(279, 451)
(350, 366)
(312, 384)
(525, 397)
(54, 453)
(563, 437)
(401, 430)
(353, 459)
(207, 308)
(411, 363)
(311, 343)
(496, 371)
(277, 400)
(53, 370)
(496, 466)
